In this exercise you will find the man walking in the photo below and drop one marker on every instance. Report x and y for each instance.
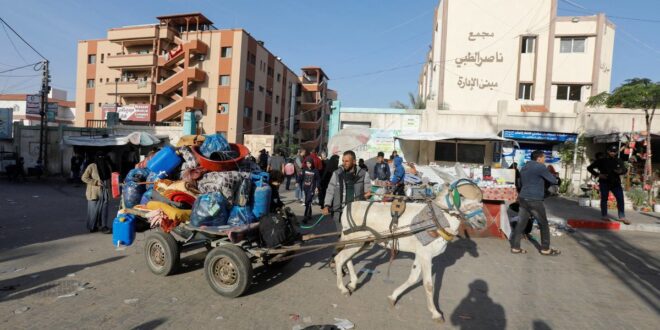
(349, 183)
(609, 170)
(298, 163)
(276, 165)
(533, 176)
(381, 169)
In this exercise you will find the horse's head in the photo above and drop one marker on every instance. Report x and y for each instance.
(463, 198)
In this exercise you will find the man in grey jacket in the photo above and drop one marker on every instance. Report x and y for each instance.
(348, 183)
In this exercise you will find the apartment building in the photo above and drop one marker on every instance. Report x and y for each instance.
(154, 73)
(485, 51)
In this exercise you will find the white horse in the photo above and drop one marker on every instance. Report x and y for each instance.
(464, 203)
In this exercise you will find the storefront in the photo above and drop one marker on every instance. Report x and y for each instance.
(529, 141)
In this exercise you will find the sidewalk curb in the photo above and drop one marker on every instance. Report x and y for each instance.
(602, 225)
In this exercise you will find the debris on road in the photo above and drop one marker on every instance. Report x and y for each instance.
(131, 301)
(307, 319)
(220, 318)
(68, 295)
(344, 324)
(21, 310)
(71, 275)
(294, 317)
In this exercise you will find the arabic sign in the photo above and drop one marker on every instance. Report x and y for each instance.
(410, 123)
(33, 104)
(483, 35)
(105, 108)
(478, 60)
(539, 136)
(471, 83)
(135, 112)
(51, 111)
(6, 116)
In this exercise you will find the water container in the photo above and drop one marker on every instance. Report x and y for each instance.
(261, 199)
(166, 160)
(123, 230)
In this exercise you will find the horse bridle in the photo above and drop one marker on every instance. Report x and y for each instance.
(456, 197)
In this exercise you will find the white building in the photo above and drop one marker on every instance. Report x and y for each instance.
(66, 110)
(485, 51)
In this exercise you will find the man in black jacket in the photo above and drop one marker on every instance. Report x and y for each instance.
(381, 169)
(609, 170)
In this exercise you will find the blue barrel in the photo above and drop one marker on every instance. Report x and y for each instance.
(260, 177)
(123, 230)
(166, 160)
(261, 200)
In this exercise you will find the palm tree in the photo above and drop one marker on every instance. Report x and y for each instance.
(635, 93)
(416, 102)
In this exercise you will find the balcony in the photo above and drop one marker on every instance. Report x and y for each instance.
(177, 80)
(131, 61)
(167, 33)
(135, 88)
(176, 108)
(133, 32)
(310, 125)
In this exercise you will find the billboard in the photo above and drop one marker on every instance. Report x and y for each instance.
(135, 112)
(33, 104)
(6, 116)
(51, 111)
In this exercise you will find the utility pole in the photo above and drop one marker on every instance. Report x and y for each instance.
(43, 131)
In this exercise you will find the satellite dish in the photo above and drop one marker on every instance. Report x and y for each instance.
(198, 115)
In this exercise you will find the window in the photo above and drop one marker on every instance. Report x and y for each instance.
(525, 91)
(465, 152)
(572, 45)
(277, 99)
(267, 118)
(269, 94)
(89, 107)
(225, 52)
(279, 76)
(102, 57)
(223, 108)
(276, 120)
(270, 72)
(259, 114)
(249, 85)
(261, 88)
(100, 104)
(528, 44)
(224, 80)
(91, 59)
(90, 83)
(569, 92)
(247, 112)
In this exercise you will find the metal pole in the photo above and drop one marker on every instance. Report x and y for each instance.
(116, 95)
(42, 112)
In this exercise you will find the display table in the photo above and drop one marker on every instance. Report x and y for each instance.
(495, 200)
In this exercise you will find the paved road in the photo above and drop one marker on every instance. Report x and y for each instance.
(602, 280)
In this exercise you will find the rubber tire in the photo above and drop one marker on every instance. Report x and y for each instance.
(171, 251)
(242, 267)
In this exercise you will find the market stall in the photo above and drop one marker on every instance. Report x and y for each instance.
(497, 185)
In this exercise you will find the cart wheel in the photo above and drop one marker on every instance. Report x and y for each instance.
(162, 253)
(280, 264)
(228, 270)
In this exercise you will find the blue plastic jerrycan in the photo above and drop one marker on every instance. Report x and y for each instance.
(123, 230)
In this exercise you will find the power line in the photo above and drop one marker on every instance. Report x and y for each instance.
(19, 36)
(587, 11)
(34, 65)
(12, 44)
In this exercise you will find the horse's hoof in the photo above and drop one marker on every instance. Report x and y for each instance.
(392, 301)
(352, 287)
(439, 319)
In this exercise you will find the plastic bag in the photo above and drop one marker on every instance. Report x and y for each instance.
(214, 143)
(209, 210)
(132, 193)
(137, 175)
(244, 193)
(241, 215)
(154, 176)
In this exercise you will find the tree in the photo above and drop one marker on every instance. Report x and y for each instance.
(281, 143)
(635, 94)
(416, 102)
(567, 152)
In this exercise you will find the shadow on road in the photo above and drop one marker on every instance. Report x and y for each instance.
(635, 268)
(30, 284)
(478, 311)
(150, 325)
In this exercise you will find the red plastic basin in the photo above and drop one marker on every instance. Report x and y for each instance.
(222, 165)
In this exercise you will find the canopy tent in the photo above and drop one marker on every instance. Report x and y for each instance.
(136, 138)
(419, 147)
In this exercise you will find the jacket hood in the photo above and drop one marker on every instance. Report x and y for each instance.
(398, 161)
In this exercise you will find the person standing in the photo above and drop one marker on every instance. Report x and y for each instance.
(348, 183)
(514, 166)
(298, 163)
(76, 166)
(276, 164)
(289, 172)
(381, 170)
(97, 178)
(362, 165)
(310, 182)
(263, 160)
(533, 176)
(329, 167)
(397, 179)
(609, 170)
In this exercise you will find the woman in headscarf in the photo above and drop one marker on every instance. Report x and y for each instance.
(329, 167)
(97, 178)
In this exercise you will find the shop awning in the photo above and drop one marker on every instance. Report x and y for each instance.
(136, 138)
(419, 147)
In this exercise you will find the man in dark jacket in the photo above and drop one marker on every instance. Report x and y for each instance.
(381, 169)
(609, 170)
(348, 183)
(533, 176)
